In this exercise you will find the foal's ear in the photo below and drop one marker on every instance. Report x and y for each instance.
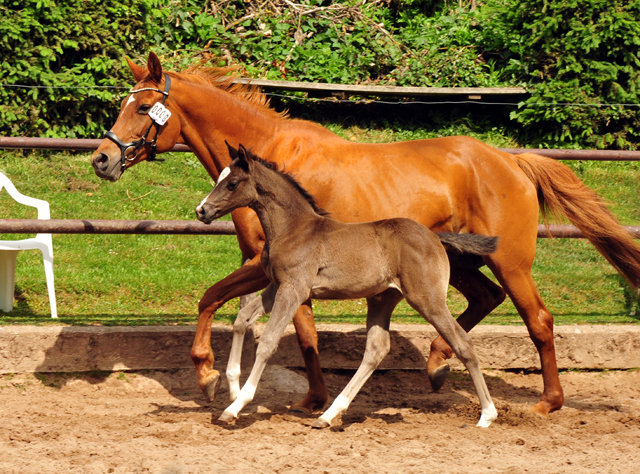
(233, 152)
(155, 68)
(138, 71)
(243, 157)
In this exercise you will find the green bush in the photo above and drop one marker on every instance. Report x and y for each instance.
(570, 52)
(71, 47)
(565, 52)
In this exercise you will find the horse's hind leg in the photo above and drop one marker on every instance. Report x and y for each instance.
(483, 296)
(539, 321)
(433, 308)
(380, 308)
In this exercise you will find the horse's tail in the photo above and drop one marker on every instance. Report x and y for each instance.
(469, 243)
(562, 194)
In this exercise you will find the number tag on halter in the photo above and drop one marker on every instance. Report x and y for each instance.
(159, 113)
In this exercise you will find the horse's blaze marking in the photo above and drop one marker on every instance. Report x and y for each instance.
(131, 99)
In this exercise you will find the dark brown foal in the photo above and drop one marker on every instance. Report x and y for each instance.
(309, 255)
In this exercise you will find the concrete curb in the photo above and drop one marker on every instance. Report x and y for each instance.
(25, 349)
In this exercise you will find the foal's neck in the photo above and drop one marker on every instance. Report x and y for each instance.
(280, 206)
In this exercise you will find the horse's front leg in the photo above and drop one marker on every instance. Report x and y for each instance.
(286, 302)
(307, 334)
(247, 279)
(257, 307)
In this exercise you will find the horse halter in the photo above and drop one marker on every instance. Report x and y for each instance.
(134, 145)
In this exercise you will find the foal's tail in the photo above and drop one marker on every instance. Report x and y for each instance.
(469, 243)
(562, 194)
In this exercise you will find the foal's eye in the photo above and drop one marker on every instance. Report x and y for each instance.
(144, 109)
(232, 185)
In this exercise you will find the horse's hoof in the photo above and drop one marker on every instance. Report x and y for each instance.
(439, 376)
(309, 405)
(541, 409)
(211, 387)
(227, 417)
(320, 424)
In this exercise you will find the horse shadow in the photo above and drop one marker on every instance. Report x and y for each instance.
(284, 381)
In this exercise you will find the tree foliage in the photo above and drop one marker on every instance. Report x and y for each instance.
(572, 55)
(70, 47)
(571, 52)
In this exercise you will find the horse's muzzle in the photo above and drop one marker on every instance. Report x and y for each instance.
(106, 168)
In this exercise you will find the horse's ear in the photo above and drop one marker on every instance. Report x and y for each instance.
(155, 68)
(233, 152)
(138, 71)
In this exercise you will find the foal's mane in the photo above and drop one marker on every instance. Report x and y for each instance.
(222, 77)
(291, 180)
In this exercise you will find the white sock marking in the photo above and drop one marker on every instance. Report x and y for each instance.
(339, 405)
(246, 395)
(488, 415)
(233, 377)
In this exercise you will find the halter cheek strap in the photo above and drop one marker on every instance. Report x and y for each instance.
(136, 144)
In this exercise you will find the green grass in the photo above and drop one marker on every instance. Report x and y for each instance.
(159, 279)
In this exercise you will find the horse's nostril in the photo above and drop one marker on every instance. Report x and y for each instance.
(101, 159)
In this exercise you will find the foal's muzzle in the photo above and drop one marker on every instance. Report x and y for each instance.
(206, 213)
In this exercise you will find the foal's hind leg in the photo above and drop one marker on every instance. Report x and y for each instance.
(483, 296)
(378, 345)
(432, 306)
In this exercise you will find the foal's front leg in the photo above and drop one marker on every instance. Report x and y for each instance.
(287, 300)
(257, 307)
(380, 308)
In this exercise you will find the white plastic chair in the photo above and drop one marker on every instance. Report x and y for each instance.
(9, 251)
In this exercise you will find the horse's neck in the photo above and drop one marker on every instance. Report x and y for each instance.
(281, 208)
(210, 116)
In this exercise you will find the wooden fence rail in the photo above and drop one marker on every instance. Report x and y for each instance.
(81, 226)
(89, 144)
(70, 226)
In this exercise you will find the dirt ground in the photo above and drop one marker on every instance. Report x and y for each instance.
(158, 422)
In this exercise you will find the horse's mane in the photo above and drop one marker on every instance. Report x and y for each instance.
(222, 78)
(289, 178)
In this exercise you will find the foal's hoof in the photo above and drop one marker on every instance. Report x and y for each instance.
(320, 423)
(227, 417)
(439, 376)
(211, 387)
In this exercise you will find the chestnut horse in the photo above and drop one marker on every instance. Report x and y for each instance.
(453, 184)
(307, 254)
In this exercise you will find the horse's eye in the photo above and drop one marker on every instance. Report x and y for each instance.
(144, 109)
(232, 185)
